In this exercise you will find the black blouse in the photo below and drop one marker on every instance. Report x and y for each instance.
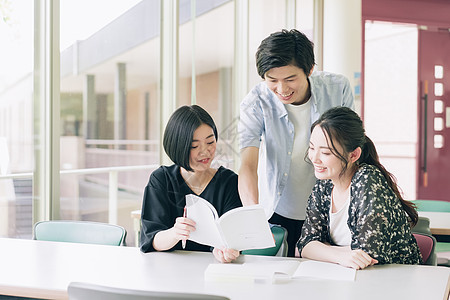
(164, 201)
(377, 222)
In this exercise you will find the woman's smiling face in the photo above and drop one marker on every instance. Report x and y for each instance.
(326, 164)
(203, 148)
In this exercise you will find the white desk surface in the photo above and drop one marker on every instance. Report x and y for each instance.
(44, 269)
(439, 221)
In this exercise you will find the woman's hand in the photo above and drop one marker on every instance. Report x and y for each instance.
(225, 255)
(343, 255)
(182, 228)
(356, 259)
(166, 239)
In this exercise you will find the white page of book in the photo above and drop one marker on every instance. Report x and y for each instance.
(205, 216)
(324, 270)
(246, 228)
(241, 228)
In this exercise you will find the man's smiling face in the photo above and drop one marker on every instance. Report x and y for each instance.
(289, 83)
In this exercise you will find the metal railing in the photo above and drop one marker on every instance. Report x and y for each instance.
(112, 183)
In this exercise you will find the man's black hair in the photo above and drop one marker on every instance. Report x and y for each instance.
(283, 48)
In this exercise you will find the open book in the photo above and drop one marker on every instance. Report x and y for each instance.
(241, 228)
(273, 270)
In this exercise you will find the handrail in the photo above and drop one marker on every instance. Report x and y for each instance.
(113, 182)
(16, 176)
(121, 142)
(103, 170)
(425, 134)
(84, 171)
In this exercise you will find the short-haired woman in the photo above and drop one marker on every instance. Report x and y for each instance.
(356, 216)
(190, 141)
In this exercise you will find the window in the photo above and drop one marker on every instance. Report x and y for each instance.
(109, 107)
(108, 123)
(16, 118)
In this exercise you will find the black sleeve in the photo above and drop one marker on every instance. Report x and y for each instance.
(161, 206)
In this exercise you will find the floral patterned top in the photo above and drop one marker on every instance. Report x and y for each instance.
(378, 224)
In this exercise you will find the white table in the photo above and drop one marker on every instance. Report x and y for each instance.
(44, 269)
(439, 222)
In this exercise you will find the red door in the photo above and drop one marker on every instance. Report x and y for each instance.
(434, 115)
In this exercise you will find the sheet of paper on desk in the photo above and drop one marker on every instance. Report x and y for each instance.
(324, 270)
(229, 273)
(283, 269)
(249, 272)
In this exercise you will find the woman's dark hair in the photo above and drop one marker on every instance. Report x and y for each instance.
(283, 48)
(179, 133)
(343, 126)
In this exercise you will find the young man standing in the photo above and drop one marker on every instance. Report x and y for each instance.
(274, 128)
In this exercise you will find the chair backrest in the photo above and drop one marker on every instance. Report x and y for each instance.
(80, 232)
(432, 205)
(87, 291)
(427, 245)
(422, 226)
(281, 245)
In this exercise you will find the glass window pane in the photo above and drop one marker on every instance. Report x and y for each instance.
(438, 72)
(438, 106)
(305, 17)
(392, 46)
(266, 17)
(16, 118)
(109, 107)
(211, 58)
(438, 141)
(447, 117)
(438, 124)
(438, 89)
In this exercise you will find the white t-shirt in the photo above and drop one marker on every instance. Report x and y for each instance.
(295, 196)
(339, 231)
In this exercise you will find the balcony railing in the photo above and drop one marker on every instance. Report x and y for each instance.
(113, 182)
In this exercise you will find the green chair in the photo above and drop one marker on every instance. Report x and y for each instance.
(281, 245)
(440, 248)
(80, 232)
(442, 259)
(432, 205)
(422, 226)
(443, 247)
(427, 244)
